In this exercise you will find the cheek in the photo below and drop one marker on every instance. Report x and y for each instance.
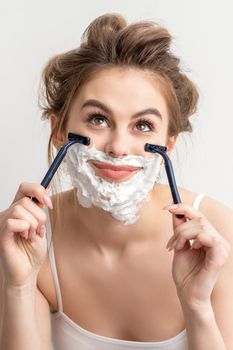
(163, 137)
(98, 143)
(159, 139)
(75, 127)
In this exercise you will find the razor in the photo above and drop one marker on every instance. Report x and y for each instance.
(149, 147)
(72, 139)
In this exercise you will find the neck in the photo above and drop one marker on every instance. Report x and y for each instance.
(104, 232)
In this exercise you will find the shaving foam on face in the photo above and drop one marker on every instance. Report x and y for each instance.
(121, 199)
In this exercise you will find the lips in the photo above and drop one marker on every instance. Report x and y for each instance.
(116, 172)
(115, 167)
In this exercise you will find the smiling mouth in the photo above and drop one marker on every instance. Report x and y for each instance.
(114, 172)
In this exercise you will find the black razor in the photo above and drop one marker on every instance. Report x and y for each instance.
(169, 171)
(72, 139)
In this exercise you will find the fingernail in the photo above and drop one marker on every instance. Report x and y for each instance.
(24, 234)
(172, 245)
(170, 248)
(48, 201)
(170, 241)
(178, 245)
(171, 206)
(41, 231)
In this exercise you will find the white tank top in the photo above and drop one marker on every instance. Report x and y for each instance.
(68, 335)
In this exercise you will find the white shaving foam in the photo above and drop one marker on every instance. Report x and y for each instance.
(122, 199)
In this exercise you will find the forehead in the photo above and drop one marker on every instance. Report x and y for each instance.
(130, 90)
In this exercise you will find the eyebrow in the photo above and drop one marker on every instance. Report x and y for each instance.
(96, 103)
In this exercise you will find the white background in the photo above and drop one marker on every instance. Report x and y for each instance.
(32, 31)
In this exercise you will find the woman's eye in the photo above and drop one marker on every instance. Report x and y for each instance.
(98, 120)
(144, 126)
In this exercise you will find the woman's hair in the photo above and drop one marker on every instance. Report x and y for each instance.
(109, 42)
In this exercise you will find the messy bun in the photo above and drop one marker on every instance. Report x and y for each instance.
(109, 42)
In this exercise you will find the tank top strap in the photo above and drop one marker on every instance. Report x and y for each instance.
(52, 260)
(197, 200)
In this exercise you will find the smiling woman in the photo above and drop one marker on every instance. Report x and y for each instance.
(98, 275)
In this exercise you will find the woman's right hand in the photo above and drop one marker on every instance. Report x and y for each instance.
(23, 243)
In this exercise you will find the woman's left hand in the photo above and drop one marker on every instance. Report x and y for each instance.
(195, 267)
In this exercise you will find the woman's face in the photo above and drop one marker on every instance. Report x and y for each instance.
(121, 110)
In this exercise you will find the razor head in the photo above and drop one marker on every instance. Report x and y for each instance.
(79, 138)
(149, 147)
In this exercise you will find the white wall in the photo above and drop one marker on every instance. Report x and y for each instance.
(32, 31)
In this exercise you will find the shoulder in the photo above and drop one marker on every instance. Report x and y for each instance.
(216, 212)
(219, 215)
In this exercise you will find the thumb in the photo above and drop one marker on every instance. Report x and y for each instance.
(177, 218)
(176, 221)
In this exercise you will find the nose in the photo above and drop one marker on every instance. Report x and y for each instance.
(117, 145)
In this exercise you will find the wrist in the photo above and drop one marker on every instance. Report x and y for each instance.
(19, 290)
(198, 312)
(193, 303)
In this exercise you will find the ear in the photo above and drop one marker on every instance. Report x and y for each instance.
(58, 138)
(171, 143)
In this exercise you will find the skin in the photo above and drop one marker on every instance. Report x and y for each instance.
(113, 277)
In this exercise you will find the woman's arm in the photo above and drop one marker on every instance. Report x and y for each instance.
(202, 330)
(25, 318)
(204, 275)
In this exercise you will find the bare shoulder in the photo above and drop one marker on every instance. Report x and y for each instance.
(219, 215)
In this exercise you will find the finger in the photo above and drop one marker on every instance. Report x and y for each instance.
(41, 231)
(20, 213)
(187, 231)
(33, 209)
(184, 225)
(49, 188)
(180, 242)
(188, 211)
(24, 234)
(197, 244)
(200, 240)
(191, 229)
(32, 190)
(216, 251)
(188, 225)
(176, 221)
(11, 227)
(207, 241)
(183, 209)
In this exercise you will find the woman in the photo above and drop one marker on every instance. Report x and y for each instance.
(113, 284)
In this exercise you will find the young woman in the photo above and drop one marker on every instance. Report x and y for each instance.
(121, 271)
